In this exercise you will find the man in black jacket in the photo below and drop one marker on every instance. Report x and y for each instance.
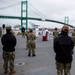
(63, 48)
(23, 32)
(9, 42)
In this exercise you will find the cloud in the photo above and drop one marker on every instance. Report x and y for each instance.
(51, 9)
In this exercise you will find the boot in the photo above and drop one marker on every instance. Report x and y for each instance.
(33, 55)
(29, 55)
(12, 71)
(6, 71)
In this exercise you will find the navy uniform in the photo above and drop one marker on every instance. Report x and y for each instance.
(9, 42)
(63, 48)
(31, 43)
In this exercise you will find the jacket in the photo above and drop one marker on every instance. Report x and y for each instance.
(9, 42)
(63, 47)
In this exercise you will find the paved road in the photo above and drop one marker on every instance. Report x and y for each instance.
(42, 64)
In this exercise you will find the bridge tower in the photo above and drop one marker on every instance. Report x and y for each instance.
(66, 20)
(24, 13)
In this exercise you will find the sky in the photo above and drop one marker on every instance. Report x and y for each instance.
(48, 9)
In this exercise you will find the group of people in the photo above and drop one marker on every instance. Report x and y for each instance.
(9, 42)
(63, 46)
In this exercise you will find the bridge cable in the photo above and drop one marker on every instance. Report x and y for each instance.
(9, 6)
(38, 11)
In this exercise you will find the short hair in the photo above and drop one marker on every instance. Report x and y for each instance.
(8, 29)
(55, 28)
(30, 30)
(65, 28)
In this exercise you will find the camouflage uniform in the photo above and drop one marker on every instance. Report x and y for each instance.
(73, 36)
(63, 66)
(63, 47)
(23, 34)
(8, 56)
(9, 42)
(31, 43)
(55, 33)
(26, 38)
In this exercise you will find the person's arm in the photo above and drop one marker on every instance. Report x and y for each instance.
(2, 41)
(55, 45)
(14, 41)
(53, 33)
(72, 47)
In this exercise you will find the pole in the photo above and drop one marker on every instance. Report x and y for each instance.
(26, 15)
(21, 13)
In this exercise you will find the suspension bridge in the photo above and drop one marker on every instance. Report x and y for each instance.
(23, 14)
(44, 62)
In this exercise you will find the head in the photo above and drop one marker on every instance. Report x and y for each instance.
(22, 27)
(74, 29)
(30, 30)
(55, 28)
(8, 29)
(65, 29)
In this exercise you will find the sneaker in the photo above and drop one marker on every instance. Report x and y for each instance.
(12, 71)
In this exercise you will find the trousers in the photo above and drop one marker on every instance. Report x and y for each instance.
(8, 58)
(63, 68)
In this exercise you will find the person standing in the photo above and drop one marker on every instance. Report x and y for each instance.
(31, 43)
(0, 32)
(26, 38)
(73, 35)
(45, 36)
(55, 33)
(63, 47)
(8, 41)
(23, 32)
(36, 32)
